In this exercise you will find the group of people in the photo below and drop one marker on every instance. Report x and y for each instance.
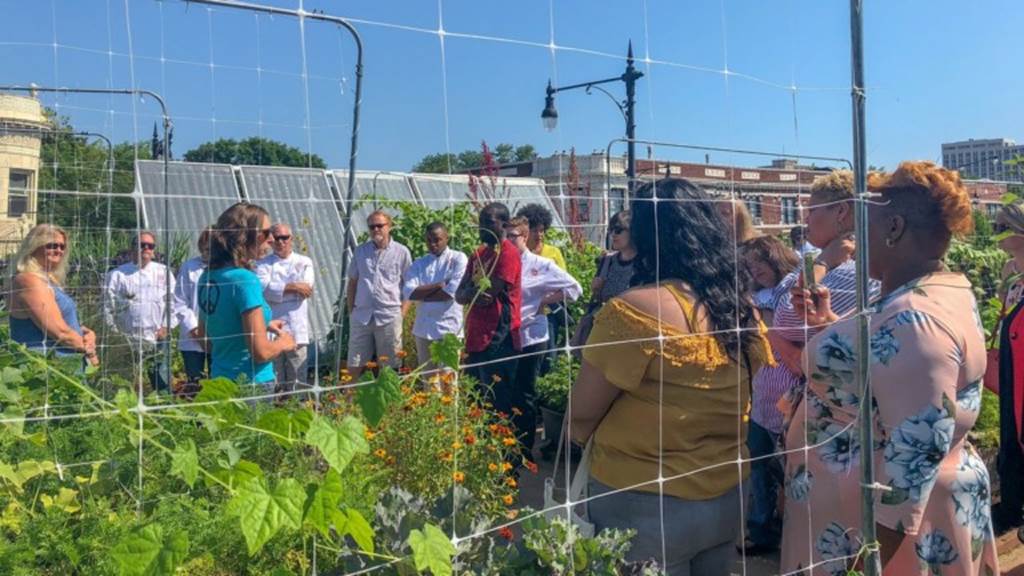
(720, 365)
(708, 330)
(242, 283)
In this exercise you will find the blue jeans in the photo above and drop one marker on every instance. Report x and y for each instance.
(764, 526)
(195, 365)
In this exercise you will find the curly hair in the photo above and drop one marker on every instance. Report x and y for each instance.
(773, 252)
(537, 215)
(235, 240)
(834, 186)
(679, 234)
(930, 198)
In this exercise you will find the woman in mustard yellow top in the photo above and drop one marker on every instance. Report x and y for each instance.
(664, 389)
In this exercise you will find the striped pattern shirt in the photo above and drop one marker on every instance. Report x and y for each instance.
(772, 382)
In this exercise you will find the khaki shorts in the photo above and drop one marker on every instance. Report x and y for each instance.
(364, 341)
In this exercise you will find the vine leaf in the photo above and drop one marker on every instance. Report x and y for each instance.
(185, 461)
(290, 424)
(221, 392)
(339, 443)
(432, 550)
(375, 398)
(146, 552)
(446, 351)
(263, 512)
(353, 523)
(322, 502)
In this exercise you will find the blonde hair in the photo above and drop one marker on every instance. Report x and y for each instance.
(520, 223)
(947, 209)
(740, 219)
(39, 236)
(834, 186)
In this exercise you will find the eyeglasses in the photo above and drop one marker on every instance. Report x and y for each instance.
(619, 230)
(147, 245)
(377, 226)
(56, 246)
(283, 238)
(265, 233)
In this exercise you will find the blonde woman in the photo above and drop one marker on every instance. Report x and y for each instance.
(43, 316)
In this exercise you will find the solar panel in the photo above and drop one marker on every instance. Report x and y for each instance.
(371, 186)
(303, 199)
(196, 195)
(439, 190)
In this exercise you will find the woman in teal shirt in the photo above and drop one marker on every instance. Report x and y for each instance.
(234, 318)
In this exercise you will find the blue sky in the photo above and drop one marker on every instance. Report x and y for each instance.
(936, 71)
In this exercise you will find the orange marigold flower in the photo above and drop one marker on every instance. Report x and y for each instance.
(391, 460)
(492, 467)
(439, 418)
(493, 428)
(380, 453)
(369, 434)
(506, 533)
(381, 359)
(512, 514)
(511, 482)
(456, 445)
(346, 378)
(401, 353)
(506, 466)
(446, 456)
(446, 399)
(531, 466)
(344, 370)
(475, 412)
(371, 365)
(517, 411)
(406, 390)
(507, 499)
(495, 378)
(502, 415)
(469, 439)
(459, 477)
(508, 441)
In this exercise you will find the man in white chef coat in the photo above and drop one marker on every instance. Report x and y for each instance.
(287, 278)
(135, 302)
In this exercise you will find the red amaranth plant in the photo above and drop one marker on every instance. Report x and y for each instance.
(572, 217)
(484, 188)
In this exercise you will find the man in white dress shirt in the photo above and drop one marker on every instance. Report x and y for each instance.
(134, 306)
(431, 283)
(543, 283)
(287, 279)
(186, 310)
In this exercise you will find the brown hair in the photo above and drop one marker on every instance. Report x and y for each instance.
(931, 198)
(235, 240)
(773, 252)
(835, 186)
(741, 222)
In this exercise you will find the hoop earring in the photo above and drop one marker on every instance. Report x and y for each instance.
(890, 242)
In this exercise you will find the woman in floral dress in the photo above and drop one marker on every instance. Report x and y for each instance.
(927, 359)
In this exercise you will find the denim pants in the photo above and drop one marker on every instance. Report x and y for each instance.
(195, 365)
(764, 526)
(700, 535)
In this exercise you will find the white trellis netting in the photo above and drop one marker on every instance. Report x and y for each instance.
(438, 78)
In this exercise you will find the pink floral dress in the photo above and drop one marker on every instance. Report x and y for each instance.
(927, 362)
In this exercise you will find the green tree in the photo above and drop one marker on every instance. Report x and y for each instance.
(254, 152)
(445, 163)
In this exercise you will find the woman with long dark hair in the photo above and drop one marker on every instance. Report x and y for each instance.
(665, 384)
(233, 315)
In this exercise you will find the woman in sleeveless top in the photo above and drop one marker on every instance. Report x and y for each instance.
(43, 317)
(664, 386)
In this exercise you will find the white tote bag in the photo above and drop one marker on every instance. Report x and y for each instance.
(577, 491)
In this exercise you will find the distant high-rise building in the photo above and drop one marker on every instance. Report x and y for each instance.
(984, 159)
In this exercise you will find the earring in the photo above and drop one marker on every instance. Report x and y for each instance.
(890, 242)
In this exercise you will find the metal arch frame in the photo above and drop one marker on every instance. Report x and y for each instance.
(302, 14)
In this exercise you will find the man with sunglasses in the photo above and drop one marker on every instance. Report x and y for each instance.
(134, 305)
(287, 279)
(374, 296)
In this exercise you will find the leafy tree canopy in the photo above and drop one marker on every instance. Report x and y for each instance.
(254, 152)
(443, 163)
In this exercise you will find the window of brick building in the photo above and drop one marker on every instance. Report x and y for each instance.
(18, 188)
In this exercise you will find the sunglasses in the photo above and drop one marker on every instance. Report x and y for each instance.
(265, 233)
(147, 245)
(283, 238)
(56, 246)
(377, 226)
(619, 230)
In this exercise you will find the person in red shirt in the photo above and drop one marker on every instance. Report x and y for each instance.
(491, 289)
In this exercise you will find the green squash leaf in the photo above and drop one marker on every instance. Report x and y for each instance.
(263, 512)
(338, 443)
(358, 528)
(322, 501)
(446, 352)
(185, 461)
(284, 423)
(375, 398)
(146, 552)
(432, 550)
(220, 391)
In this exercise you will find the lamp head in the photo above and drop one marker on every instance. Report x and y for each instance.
(550, 115)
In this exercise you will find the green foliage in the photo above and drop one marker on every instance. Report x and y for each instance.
(581, 262)
(263, 511)
(553, 387)
(412, 220)
(432, 550)
(446, 163)
(375, 398)
(147, 552)
(982, 266)
(339, 442)
(983, 237)
(253, 151)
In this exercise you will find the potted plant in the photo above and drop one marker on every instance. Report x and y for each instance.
(553, 395)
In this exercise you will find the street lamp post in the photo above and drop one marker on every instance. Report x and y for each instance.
(627, 107)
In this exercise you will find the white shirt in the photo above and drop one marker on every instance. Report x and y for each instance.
(378, 274)
(186, 302)
(136, 299)
(275, 273)
(540, 277)
(435, 319)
